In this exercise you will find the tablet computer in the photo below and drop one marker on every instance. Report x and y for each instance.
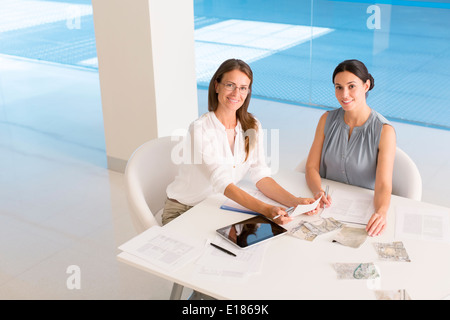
(249, 232)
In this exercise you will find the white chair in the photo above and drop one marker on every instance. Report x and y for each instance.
(406, 179)
(147, 175)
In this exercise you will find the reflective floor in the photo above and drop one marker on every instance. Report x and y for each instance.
(60, 206)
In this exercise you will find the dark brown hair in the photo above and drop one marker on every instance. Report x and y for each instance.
(245, 118)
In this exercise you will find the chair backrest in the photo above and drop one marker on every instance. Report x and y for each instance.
(148, 173)
(406, 179)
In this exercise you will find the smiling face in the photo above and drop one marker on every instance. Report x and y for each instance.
(231, 90)
(350, 90)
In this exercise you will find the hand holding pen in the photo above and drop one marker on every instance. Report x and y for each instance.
(299, 201)
(326, 198)
(288, 211)
(327, 188)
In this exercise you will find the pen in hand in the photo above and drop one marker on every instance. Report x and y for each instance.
(327, 188)
(222, 249)
(288, 211)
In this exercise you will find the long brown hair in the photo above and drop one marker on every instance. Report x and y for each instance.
(248, 122)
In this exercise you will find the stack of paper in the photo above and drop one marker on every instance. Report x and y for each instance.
(162, 248)
(217, 265)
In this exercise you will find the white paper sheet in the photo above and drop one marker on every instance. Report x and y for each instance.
(303, 208)
(214, 264)
(350, 207)
(412, 222)
(162, 248)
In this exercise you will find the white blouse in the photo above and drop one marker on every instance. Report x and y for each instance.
(208, 165)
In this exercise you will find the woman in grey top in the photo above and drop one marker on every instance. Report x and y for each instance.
(354, 144)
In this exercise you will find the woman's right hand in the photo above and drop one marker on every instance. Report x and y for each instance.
(325, 201)
(279, 211)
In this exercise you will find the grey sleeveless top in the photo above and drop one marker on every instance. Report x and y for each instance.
(352, 161)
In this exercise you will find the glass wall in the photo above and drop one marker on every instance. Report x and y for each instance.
(404, 44)
(294, 46)
(59, 31)
(272, 36)
(49, 89)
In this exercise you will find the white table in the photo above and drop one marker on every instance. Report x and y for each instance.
(299, 269)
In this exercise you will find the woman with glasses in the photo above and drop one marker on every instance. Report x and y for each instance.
(354, 144)
(224, 145)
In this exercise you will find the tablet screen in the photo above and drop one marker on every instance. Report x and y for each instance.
(251, 231)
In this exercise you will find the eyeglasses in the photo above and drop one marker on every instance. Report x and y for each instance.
(232, 87)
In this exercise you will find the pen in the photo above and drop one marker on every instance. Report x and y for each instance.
(222, 249)
(288, 211)
(326, 194)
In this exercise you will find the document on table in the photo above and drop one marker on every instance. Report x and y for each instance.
(303, 208)
(356, 270)
(234, 206)
(424, 224)
(214, 264)
(309, 230)
(163, 249)
(350, 207)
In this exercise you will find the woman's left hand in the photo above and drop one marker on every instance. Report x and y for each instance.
(308, 201)
(376, 224)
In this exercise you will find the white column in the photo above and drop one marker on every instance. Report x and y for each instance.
(146, 63)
